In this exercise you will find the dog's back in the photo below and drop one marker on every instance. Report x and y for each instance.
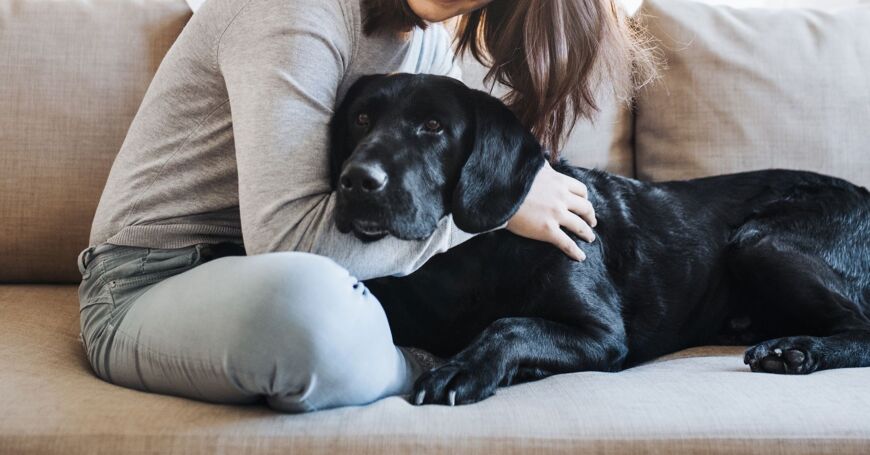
(661, 244)
(665, 246)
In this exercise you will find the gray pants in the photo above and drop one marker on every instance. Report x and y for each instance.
(293, 328)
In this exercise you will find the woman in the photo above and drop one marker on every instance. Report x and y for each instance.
(229, 147)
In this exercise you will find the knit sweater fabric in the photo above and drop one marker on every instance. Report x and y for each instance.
(230, 142)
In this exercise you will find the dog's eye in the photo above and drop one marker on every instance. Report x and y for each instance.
(362, 119)
(432, 126)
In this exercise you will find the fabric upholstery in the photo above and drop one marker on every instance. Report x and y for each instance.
(748, 89)
(73, 74)
(702, 401)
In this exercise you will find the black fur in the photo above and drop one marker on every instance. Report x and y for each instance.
(780, 258)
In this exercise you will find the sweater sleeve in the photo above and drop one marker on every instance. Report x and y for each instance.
(283, 63)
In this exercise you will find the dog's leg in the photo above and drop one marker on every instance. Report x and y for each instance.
(532, 347)
(800, 289)
(806, 354)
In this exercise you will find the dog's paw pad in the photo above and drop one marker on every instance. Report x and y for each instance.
(794, 357)
(783, 356)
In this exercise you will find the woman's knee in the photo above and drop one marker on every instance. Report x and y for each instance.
(291, 288)
(315, 297)
(308, 316)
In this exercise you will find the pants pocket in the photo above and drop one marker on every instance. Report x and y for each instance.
(162, 261)
(93, 289)
(93, 320)
(153, 267)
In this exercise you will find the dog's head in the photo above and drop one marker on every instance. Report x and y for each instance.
(406, 150)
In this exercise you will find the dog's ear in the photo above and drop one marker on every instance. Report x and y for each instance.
(341, 144)
(499, 170)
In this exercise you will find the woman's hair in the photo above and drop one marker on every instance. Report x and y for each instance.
(554, 56)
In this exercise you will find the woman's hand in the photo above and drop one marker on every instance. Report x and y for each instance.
(555, 201)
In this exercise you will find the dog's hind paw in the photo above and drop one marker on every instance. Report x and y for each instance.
(792, 355)
(455, 383)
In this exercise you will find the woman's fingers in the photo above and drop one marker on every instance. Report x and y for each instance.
(581, 206)
(560, 239)
(555, 201)
(578, 226)
(577, 187)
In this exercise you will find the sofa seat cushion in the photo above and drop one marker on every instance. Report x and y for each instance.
(702, 400)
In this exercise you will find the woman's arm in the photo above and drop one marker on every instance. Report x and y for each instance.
(283, 63)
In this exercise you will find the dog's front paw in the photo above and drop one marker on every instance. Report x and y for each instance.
(456, 382)
(792, 355)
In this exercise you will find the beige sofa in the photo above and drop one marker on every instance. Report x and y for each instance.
(743, 89)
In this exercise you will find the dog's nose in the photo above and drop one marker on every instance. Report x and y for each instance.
(367, 177)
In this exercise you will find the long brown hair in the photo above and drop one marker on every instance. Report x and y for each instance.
(554, 56)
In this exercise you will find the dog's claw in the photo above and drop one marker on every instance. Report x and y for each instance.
(451, 398)
(421, 395)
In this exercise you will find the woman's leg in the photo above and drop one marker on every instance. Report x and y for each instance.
(294, 328)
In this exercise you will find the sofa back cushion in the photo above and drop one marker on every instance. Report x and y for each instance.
(73, 74)
(748, 89)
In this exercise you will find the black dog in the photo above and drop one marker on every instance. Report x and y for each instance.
(780, 258)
